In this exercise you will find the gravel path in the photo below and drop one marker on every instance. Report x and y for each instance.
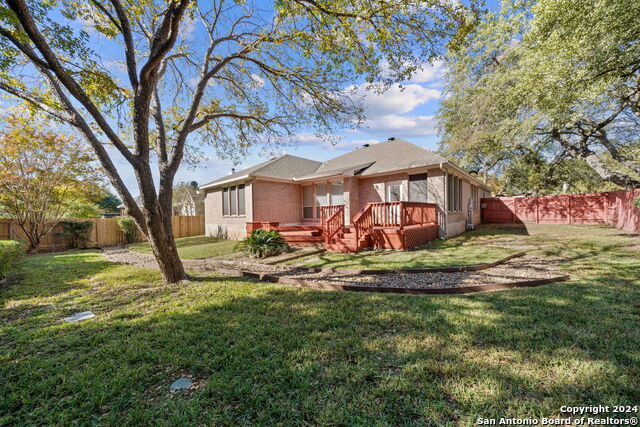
(515, 270)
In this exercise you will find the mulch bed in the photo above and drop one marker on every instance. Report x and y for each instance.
(518, 270)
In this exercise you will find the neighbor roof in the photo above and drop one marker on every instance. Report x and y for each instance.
(284, 167)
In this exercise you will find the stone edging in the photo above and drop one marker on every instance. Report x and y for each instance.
(382, 289)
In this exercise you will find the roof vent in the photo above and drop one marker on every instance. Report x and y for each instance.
(233, 170)
(365, 145)
(393, 138)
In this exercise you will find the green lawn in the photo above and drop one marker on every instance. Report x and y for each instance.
(195, 247)
(465, 249)
(274, 355)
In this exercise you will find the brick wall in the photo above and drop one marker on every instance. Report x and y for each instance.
(277, 201)
(226, 227)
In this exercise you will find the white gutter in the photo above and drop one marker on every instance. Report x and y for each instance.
(227, 181)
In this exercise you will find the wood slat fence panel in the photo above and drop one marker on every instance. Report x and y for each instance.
(614, 208)
(105, 231)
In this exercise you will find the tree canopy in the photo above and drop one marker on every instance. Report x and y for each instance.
(42, 175)
(551, 80)
(256, 73)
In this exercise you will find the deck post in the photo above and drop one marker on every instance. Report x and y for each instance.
(402, 212)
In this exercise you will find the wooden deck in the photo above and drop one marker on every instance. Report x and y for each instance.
(392, 225)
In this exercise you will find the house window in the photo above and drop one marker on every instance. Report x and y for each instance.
(418, 188)
(474, 197)
(225, 201)
(337, 193)
(241, 209)
(233, 201)
(394, 191)
(454, 193)
(321, 194)
(307, 202)
(322, 199)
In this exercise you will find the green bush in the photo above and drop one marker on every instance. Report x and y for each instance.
(636, 203)
(11, 251)
(129, 228)
(263, 243)
(76, 233)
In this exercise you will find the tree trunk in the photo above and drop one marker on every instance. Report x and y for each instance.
(607, 174)
(164, 248)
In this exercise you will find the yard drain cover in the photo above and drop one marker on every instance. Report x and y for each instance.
(181, 384)
(80, 316)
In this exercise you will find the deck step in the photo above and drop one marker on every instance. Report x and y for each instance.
(301, 233)
(287, 228)
(303, 240)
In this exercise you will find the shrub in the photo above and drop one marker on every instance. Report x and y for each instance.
(76, 233)
(636, 203)
(11, 251)
(129, 228)
(263, 243)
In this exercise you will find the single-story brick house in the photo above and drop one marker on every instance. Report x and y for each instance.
(393, 194)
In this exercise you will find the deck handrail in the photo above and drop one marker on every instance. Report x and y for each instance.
(332, 221)
(399, 214)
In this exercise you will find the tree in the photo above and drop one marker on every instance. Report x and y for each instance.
(558, 77)
(258, 72)
(42, 173)
(109, 203)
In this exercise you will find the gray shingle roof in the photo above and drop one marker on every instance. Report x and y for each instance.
(385, 156)
(389, 156)
(283, 167)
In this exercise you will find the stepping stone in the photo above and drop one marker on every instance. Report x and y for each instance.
(181, 384)
(80, 316)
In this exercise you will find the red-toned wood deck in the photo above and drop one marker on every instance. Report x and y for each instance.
(392, 225)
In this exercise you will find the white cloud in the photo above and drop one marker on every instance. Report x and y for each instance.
(402, 126)
(187, 28)
(115, 65)
(259, 81)
(430, 73)
(395, 100)
(329, 141)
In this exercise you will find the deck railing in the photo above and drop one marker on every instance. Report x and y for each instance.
(332, 220)
(394, 214)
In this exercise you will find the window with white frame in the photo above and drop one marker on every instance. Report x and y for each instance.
(233, 200)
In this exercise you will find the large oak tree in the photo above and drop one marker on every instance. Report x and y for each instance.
(227, 73)
(557, 78)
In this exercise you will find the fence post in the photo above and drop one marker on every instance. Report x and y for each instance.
(570, 213)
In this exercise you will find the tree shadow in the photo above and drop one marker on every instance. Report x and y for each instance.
(267, 354)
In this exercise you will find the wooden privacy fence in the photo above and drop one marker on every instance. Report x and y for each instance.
(611, 208)
(105, 231)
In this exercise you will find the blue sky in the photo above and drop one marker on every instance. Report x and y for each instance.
(407, 113)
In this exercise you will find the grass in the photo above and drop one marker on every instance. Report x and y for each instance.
(466, 249)
(195, 247)
(272, 355)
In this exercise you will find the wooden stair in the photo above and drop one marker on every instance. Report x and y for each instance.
(346, 242)
(301, 235)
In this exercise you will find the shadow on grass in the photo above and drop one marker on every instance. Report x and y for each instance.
(266, 354)
(54, 273)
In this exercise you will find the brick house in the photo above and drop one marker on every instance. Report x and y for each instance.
(392, 195)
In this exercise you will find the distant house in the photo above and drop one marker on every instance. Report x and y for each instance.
(187, 201)
(393, 194)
